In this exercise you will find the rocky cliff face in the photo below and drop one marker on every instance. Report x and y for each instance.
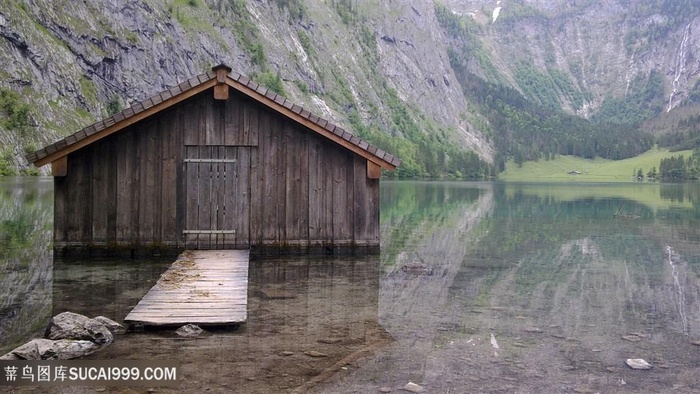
(69, 60)
(363, 64)
(601, 48)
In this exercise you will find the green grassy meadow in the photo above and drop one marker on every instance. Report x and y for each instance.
(591, 170)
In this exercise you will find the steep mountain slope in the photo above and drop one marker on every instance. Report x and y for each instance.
(445, 86)
(628, 68)
(590, 50)
(363, 67)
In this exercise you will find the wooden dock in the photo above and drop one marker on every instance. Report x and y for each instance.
(203, 287)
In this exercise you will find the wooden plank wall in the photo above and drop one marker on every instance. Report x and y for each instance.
(124, 188)
(302, 190)
(313, 193)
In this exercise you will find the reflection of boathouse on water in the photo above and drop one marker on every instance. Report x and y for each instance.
(217, 162)
(325, 306)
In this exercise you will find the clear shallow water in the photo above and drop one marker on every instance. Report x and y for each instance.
(532, 288)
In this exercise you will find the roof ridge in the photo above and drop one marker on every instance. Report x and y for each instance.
(194, 82)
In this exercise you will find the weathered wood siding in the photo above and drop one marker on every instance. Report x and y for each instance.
(212, 174)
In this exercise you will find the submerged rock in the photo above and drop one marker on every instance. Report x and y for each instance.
(189, 331)
(69, 325)
(637, 363)
(330, 341)
(417, 269)
(631, 338)
(413, 388)
(313, 353)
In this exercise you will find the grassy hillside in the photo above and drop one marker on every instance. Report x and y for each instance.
(592, 170)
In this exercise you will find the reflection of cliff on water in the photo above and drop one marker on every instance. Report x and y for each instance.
(550, 251)
(445, 221)
(410, 211)
(535, 292)
(26, 209)
(579, 277)
(423, 223)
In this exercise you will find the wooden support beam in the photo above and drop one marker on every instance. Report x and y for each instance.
(374, 170)
(222, 72)
(221, 88)
(221, 92)
(59, 167)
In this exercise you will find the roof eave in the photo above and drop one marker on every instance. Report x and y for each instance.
(111, 126)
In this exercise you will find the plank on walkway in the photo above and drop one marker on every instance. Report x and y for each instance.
(203, 287)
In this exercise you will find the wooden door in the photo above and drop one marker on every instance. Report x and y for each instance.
(217, 197)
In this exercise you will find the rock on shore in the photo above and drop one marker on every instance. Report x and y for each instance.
(68, 335)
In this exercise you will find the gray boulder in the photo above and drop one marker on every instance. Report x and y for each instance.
(66, 349)
(31, 350)
(69, 325)
(113, 327)
(68, 335)
(47, 349)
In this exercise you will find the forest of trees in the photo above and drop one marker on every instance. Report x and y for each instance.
(678, 168)
(687, 135)
(425, 148)
(526, 131)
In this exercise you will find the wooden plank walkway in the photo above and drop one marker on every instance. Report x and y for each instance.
(203, 287)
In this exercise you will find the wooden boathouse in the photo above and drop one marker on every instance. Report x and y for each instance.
(217, 162)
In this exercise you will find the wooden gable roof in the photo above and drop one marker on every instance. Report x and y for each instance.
(220, 76)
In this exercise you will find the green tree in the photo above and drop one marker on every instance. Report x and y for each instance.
(272, 81)
(114, 106)
(652, 173)
(14, 113)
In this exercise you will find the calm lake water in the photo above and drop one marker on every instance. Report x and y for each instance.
(480, 287)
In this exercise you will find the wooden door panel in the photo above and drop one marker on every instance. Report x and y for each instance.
(218, 204)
